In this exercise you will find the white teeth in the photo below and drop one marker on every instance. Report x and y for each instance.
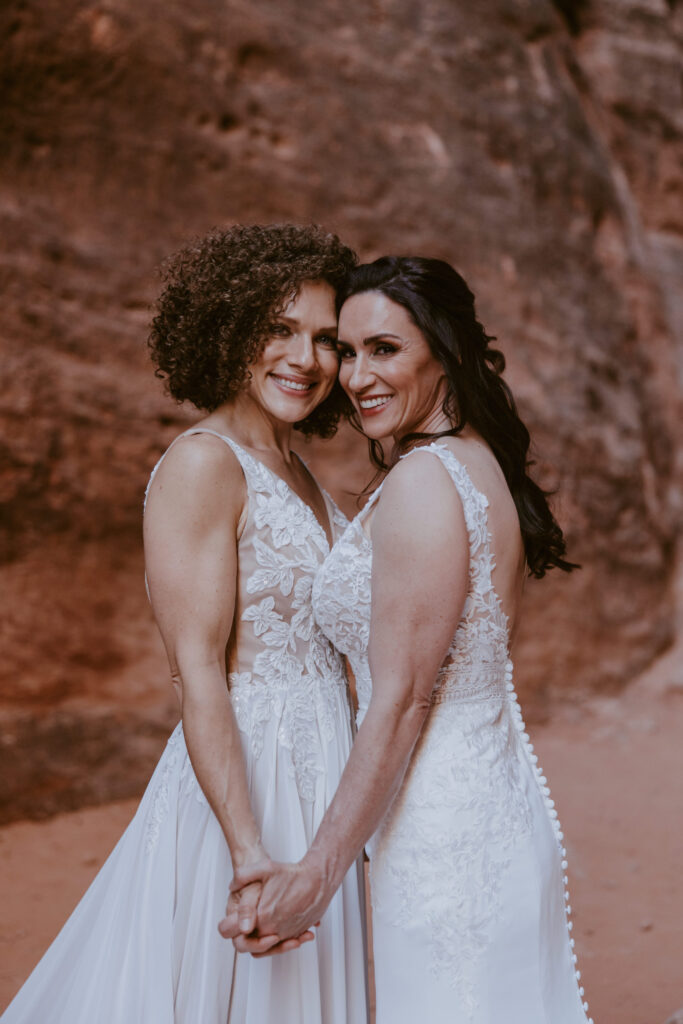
(292, 384)
(372, 403)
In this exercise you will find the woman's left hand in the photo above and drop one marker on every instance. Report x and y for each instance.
(293, 898)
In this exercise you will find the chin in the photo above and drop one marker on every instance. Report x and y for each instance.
(289, 415)
(290, 410)
(377, 428)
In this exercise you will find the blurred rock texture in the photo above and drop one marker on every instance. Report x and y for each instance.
(536, 145)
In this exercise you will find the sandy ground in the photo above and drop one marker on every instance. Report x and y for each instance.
(616, 770)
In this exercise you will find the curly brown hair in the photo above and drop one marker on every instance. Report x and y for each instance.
(220, 296)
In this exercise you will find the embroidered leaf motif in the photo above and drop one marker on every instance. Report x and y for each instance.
(277, 571)
(296, 676)
(441, 854)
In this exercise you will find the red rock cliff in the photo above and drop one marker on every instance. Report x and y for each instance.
(536, 145)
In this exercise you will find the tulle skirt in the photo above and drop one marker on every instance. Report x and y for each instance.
(142, 946)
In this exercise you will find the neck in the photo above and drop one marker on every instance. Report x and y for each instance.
(252, 426)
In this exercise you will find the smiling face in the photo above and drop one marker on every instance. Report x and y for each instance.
(387, 369)
(298, 365)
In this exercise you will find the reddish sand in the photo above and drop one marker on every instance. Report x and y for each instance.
(616, 769)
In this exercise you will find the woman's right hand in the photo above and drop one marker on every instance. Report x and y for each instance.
(242, 907)
(241, 921)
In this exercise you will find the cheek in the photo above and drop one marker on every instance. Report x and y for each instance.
(401, 374)
(269, 356)
(428, 374)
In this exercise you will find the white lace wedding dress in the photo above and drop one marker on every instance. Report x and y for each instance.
(143, 947)
(470, 918)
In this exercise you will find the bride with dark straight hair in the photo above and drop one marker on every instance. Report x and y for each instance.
(422, 592)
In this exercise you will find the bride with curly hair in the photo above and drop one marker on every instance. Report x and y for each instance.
(235, 531)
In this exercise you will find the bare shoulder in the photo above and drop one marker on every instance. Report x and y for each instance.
(481, 465)
(418, 495)
(201, 470)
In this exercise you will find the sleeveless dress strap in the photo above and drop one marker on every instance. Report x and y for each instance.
(475, 505)
(371, 500)
(238, 452)
(482, 598)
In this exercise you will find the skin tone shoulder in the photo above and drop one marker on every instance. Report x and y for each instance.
(420, 549)
(194, 517)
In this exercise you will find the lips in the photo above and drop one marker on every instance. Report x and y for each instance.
(372, 404)
(294, 385)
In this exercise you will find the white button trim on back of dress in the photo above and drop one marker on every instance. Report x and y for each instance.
(542, 781)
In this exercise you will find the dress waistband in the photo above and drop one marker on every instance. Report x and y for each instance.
(453, 687)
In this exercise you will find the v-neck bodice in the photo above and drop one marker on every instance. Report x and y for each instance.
(280, 663)
(336, 518)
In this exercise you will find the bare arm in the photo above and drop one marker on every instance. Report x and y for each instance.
(191, 524)
(419, 585)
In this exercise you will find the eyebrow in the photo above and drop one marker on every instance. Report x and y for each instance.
(293, 320)
(374, 337)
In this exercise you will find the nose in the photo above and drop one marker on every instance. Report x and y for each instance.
(361, 375)
(301, 352)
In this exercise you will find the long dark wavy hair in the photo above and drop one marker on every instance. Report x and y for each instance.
(441, 305)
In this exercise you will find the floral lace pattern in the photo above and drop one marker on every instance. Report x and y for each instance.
(296, 675)
(446, 843)
(443, 849)
(175, 763)
(288, 673)
(161, 796)
(341, 601)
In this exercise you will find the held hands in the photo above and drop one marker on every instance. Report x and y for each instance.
(272, 906)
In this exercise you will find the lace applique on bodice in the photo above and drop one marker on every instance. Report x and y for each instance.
(476, 661)
(447, 838)
(281, 666)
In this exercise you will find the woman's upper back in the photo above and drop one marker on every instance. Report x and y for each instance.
(505, 543)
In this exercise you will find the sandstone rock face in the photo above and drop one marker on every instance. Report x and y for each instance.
(536, 145)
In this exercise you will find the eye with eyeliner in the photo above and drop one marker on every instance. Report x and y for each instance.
(379, 348)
